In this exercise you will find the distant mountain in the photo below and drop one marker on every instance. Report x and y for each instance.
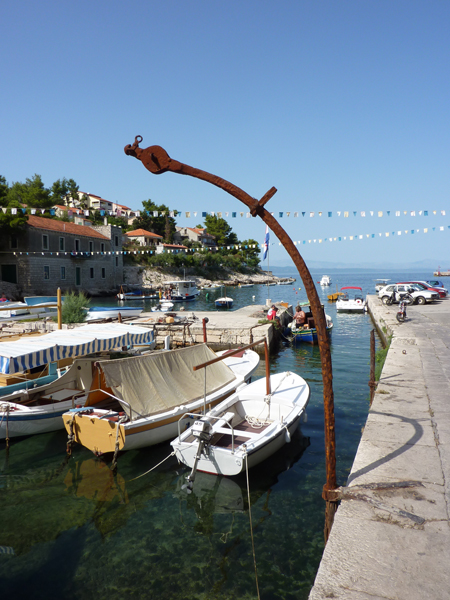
(420, 265)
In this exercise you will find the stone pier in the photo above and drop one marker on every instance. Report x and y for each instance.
(391, 534)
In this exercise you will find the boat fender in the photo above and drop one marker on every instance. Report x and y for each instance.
(305, 417)
(358, 301)
(287, 436)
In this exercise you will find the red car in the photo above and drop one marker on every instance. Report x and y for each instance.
(425, 286)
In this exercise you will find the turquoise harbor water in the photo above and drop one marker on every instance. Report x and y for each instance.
(71, 530)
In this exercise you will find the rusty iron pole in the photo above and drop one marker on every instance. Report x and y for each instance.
(157, 161)
(372, 383)
(204, 321)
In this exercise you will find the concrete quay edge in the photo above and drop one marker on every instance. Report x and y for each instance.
(391, 534)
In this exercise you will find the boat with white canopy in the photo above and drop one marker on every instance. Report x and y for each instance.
(36, 406)
(142, 398)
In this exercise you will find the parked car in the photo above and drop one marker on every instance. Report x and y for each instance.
(435, 283)
(421, 296)
(426, 286)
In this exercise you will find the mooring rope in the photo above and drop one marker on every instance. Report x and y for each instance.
(251, 526)
(149, 471)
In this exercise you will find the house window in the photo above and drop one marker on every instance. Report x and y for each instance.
(14, 243)
(46, 272)
(44, 241)
(103, 273)
(91, 246)
(77, 245)
(116, 240)
(63, 272)
(91, 272)
(62, 244)
(102, 247)
(117, 261)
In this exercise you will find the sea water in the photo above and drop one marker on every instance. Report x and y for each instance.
(70, 529)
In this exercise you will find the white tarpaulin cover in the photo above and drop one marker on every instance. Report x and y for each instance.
(158, 382)
(30, 352)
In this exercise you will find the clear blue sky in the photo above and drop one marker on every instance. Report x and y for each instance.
(342, 106)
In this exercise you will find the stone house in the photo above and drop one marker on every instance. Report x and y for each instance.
(172, 248)
(51, 254)
(143, 237)
(195, 235)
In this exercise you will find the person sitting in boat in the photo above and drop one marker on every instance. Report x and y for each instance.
(299, 317)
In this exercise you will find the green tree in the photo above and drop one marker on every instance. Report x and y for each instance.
(4, 187)
(220, 229)
(35, 194)
(63, 191)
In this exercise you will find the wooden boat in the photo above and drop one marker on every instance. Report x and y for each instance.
(224, 302)
(140, 400)
(39, 409)
(33, 378)
(105, 312)
(357, 304)
(308, 333)
(246, 428)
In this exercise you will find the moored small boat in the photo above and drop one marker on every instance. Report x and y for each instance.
(141, 399)
(325, 281)
(357, 304)
(308, 332)
(245, 429)
(105, 312)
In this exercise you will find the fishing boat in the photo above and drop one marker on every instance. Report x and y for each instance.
(308, 332)
(106, 312)
(183, 290)
(224, 302)
(325, 281)
(246, 285)
(33, 378)
(140, 400)
(356, 304)
(246, 428)
(32, 410)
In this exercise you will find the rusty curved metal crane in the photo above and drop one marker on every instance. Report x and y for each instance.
(157, 161)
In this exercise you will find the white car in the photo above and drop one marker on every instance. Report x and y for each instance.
(400, 289)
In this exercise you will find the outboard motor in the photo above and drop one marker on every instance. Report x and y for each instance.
(202, 431)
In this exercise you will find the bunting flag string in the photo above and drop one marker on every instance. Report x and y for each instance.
(71, 211)
(259, 247)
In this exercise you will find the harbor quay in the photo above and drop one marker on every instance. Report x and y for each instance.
(224, 329)
(391, 534)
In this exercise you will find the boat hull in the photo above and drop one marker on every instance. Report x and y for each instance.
(307, 336)
(248, 443)
(112, 313)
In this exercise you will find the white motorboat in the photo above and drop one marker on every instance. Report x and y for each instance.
(12, 309)
(163, 306)
(345, 303)
(246, 428)
(143, 398)
(106, 312)
(183, 290)
(325, 281)
(381, 283)
(39, 409)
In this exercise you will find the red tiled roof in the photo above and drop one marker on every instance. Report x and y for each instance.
(142, 232)
(174, 246)
(64, 227)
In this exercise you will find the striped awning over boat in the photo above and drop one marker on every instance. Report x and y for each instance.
(30, 352)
